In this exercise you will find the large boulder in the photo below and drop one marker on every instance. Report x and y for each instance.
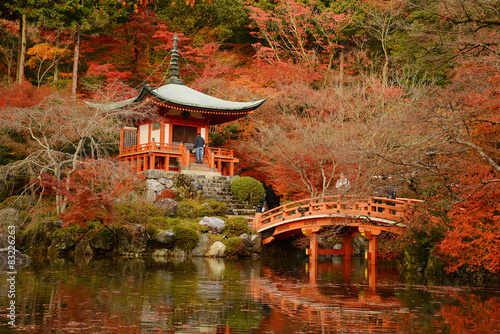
(154, 185)
(247, 242)
(166, 239)
(202, 247)
(214, 224)
(256, 243)
(218, 249)
(168, 206)
(102, 241)
(6, 264)
(131, 239)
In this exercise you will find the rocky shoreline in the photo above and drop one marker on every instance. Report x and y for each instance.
(49, 238)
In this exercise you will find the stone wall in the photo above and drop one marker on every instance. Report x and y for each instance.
(212, 187)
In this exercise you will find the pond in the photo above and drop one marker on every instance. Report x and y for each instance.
(121, 295)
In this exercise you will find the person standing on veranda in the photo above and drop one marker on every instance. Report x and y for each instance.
(199, 143)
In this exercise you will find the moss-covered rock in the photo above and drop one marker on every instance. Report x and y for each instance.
(101, 239)
(131, 239)
(188, 209)
(236, 226)
(235, 247)
(186, 238)
(65, 239)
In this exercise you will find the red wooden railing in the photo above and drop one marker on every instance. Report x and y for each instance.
(210, 157)
(223, 152)
(185, 155)
(375, 207)
(151, 146)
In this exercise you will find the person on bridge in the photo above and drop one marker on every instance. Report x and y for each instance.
(343, 184)
(199, 143)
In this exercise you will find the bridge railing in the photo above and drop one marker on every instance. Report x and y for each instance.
(376, 207)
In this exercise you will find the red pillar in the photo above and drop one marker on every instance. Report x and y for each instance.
(313, 270)
(372, 279)
(313, 247)
(152, 161)
(372, 249)
(121, 140)
(313, 258)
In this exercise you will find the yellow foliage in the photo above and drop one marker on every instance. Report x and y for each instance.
(44, 51)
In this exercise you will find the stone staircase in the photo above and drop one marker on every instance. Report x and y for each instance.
(218, 187)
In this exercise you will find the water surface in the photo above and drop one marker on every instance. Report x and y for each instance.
(244, 296)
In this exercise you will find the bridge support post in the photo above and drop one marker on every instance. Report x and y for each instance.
(313, 247)
(372, 249)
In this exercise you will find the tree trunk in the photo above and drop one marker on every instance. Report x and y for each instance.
(56, 65)
(341, 69)
(75, 63)
(21, 60)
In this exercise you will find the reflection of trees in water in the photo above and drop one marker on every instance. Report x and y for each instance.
(133, 295)
(127, 295)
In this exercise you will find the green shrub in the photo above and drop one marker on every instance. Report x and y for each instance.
(158, 221)
(248, 189)
(236, 226)
(188, 209)
(212, 208)
(137, 212)
(185, 237)
(158, 224)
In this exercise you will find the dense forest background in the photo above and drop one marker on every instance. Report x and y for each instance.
(403, 93)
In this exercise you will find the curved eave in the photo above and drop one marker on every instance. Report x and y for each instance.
(180, 96)
(112, 105)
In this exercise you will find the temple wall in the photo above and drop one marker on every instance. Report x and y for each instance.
(156, 135)
(144, 134)
(167, 133)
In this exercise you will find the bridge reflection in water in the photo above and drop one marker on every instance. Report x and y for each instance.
(350, 215)
(342, 305)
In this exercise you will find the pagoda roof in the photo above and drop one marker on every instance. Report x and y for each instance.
(177, 98)
(183, 96)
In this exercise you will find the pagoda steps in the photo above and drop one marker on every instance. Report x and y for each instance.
(218, 187)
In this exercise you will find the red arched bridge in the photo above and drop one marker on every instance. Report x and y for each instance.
(348, 214)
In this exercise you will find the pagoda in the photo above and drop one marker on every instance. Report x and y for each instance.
(165, 141)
